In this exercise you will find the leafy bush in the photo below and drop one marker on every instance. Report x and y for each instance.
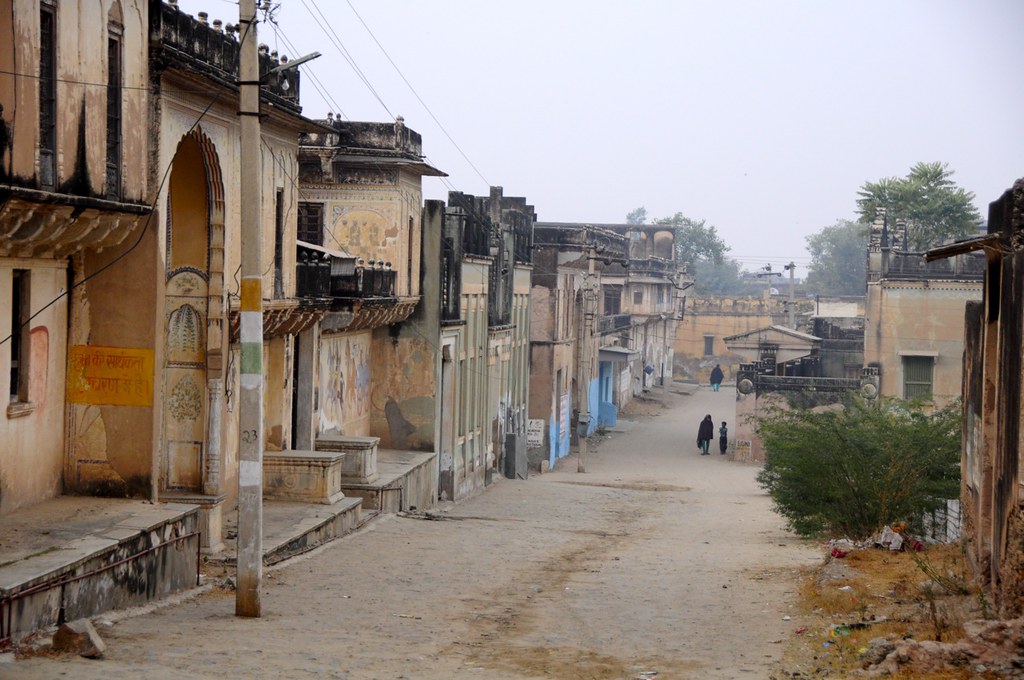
(849, 470)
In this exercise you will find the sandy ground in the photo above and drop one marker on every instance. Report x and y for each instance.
(656, 563)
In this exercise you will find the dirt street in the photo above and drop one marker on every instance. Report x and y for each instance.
(656, 563)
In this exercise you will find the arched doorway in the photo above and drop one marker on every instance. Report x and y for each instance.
(193, 376)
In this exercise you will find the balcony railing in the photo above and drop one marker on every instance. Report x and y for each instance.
(313, 275)
(652, 265)
(365, 283)
(214, 52)
(615, 322)
(913, 266)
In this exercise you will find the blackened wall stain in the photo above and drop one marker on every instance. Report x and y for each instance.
(78, 182)
(6, 146)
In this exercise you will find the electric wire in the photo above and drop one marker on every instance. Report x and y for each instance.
(149, 217)
(332, 36)
(416, 94)
(321, 89)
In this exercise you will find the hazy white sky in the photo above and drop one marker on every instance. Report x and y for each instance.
(762, 117)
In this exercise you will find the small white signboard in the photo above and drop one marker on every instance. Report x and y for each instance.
(535, 432)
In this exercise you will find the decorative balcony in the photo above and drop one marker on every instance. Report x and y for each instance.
(373, 281)
(212, 50)
(613, 323)
(652, 266)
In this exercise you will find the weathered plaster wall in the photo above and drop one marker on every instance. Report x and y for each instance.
(81, 111)
(277, 393)
(110, 446)
(376, 221)
(32, 449)
(717, 318)
(345, 380)
(402, 398)
(474, 436)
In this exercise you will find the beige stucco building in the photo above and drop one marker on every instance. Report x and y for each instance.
(914, 316)
(74, 216)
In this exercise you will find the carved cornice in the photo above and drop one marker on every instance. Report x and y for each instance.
(285, 317)
(372, 313)
(45, 224)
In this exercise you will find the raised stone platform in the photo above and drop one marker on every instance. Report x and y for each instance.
(360, 461)
(75, 557)
(305, 476)
(405, 480)
(291, 528)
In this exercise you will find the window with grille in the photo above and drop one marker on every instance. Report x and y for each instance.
(917, 377)
(638, 297)
(612, 300)
(47, 96)
(709, 345)
(311, 223)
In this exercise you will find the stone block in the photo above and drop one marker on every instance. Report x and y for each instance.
(79, 637)
(308, 476)
(360, 462)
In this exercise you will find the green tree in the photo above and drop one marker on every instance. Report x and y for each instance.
(934, 207)
(838, 259)
(848, 471)
(638, 216)
(696, 240)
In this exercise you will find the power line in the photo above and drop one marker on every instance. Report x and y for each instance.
(317, 85)
(149, 217)
(416, 94)
(329, 31)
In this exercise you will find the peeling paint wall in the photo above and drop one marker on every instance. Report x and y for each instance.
(993, 438)
(345, 381)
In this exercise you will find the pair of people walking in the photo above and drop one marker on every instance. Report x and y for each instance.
(706, 432)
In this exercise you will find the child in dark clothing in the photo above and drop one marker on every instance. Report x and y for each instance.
(723, 438)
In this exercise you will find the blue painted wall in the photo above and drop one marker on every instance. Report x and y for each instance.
(593, 399)
(559, 446)
(607, 412)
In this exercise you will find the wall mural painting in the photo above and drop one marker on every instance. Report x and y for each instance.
(345, 384)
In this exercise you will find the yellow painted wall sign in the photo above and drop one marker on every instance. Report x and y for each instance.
(110, 375)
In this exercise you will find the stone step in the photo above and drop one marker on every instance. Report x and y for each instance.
(140, 553)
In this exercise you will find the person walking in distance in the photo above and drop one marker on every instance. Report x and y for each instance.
(705, 433)
(723, 438)
(716, 377)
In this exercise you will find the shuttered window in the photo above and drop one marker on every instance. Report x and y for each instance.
(917, 377)
(47, 96)
(311, 223)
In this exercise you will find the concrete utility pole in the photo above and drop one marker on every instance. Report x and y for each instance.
(791, 268)
(586, 335)
(250, 404)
